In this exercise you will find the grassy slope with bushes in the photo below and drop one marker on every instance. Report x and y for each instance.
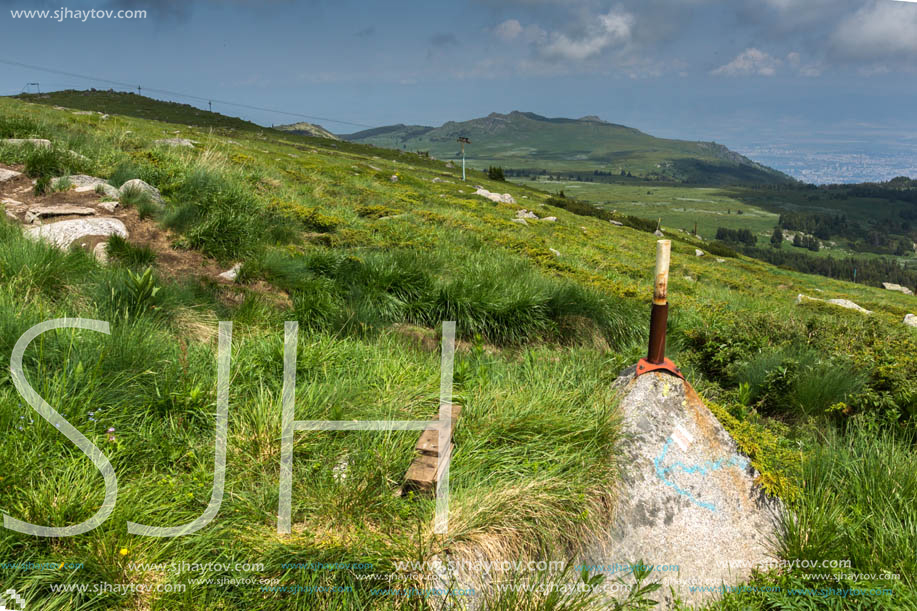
(370, 266)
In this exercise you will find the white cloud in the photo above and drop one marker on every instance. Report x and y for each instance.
(611, 29)
(508, 30)
(749, 62)
(879, 30)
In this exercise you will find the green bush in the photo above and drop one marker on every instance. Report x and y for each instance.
(129, 254)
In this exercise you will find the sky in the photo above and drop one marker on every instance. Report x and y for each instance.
(768, 76)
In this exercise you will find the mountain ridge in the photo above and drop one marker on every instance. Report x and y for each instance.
(528, 141)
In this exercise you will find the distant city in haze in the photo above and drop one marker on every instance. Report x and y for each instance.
(833, 163)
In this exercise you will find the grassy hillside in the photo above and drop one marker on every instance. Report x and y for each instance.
(370, 250)
(530, 143)
(880, 220)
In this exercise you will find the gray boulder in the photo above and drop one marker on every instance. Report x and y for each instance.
(526, 214)
(81, 183)
(37, 142)
(8, 174)
(891, 286)
(910, 320)
(504, 198)
(137, 184)
(658, 234)
(698, 252)
(687, 496)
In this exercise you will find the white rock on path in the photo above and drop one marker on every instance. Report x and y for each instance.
(42, 212)
(231, 274)
(910, 320)
(891, 286)
(175, 142)
(81, 183)
(63, 234)
(844, 303)
(137, 184)
(8, 174)
(109, 206)
(38, 142)
(106, 190)
(505, 198)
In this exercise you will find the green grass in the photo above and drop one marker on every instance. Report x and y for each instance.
(370, 268)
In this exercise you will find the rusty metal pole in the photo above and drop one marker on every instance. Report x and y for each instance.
(655, 358)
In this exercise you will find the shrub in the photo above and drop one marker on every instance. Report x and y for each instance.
(129, 254)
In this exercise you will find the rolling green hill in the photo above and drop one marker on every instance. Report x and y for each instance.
(370, 250)
(526, 141)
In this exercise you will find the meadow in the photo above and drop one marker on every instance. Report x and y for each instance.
(370, 254)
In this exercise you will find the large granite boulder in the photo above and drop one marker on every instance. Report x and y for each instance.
(687, 496)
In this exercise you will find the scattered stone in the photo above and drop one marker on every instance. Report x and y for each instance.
(554, 252)
(106, 190)
(8, 174)
(698, 252)
(11, 216)
(658, 234)
(617, 223)
(891, 286)
(43, 212)
(137, 184)
(689, 278)
(175, 142)
(63, 234)
(450, 165)
(231, 274)
(83, 112)
(339, 470)
(394, 178)
(505, 198)
(525, 214)
(100, 252)
(109, 206)
(11, 202)
(81, 183)
(519, 221)
(38, 142)
(844, 303)
(685, 475)
(910, 320)
(550, 219)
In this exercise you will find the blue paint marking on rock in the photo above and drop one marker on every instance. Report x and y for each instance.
(704, 469)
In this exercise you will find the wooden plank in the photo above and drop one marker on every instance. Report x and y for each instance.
(429, 440)
(423, 474)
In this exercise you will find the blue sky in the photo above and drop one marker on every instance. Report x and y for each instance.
(742, 72)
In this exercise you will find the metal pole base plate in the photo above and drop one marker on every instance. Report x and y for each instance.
(644, 366)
